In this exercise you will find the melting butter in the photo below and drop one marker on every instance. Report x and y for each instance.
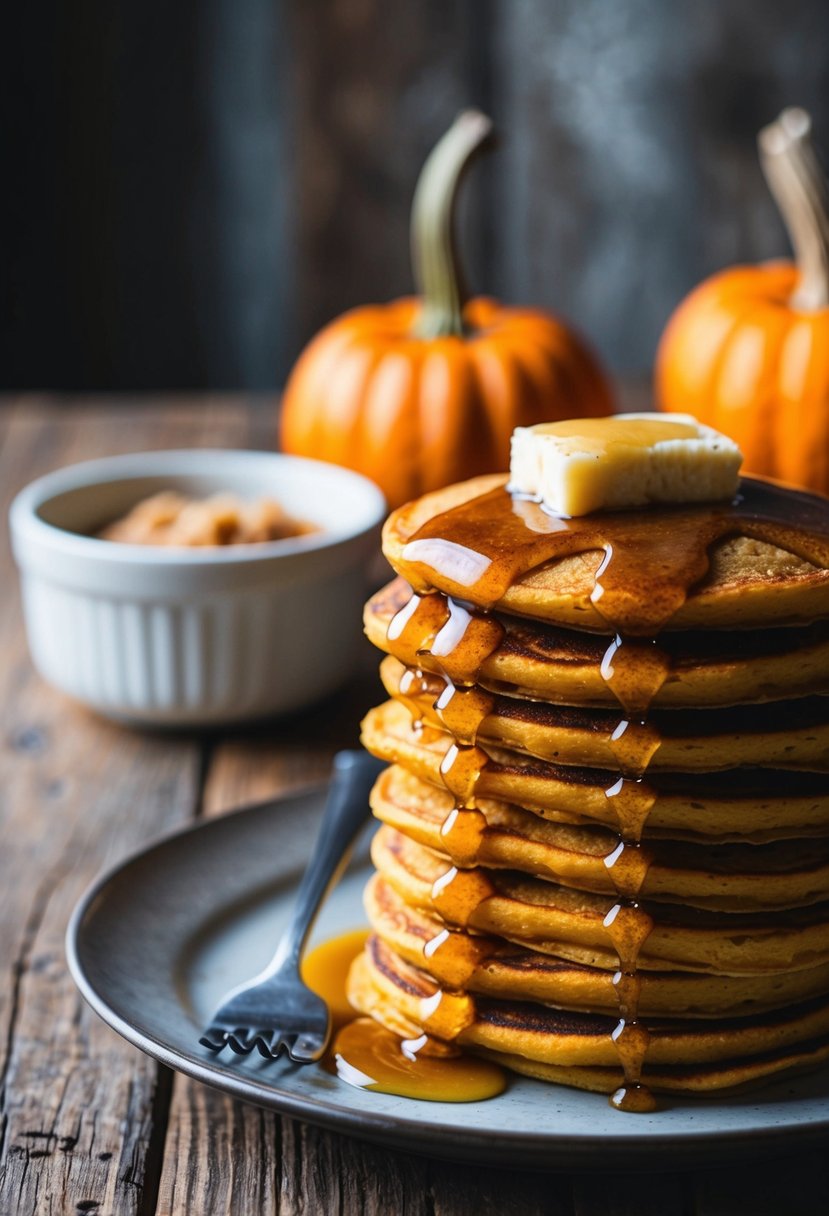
(583, 465)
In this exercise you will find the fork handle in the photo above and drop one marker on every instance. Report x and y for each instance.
(346, 811)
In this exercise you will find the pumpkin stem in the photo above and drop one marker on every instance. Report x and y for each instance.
(434, 256)
(798, 183)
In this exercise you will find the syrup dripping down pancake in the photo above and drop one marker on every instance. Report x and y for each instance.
(763, 562)
(794, 733)
(564, 666)
(727, 1077)
(491, 966)
(696, 1056)
(631, 791)
(562, 921)
(738, 804)
(725, 877)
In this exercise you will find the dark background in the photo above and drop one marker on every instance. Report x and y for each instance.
(191, 188)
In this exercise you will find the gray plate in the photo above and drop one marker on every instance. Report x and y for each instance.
(155, 943)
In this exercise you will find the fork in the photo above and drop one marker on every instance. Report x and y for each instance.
(276, 1010)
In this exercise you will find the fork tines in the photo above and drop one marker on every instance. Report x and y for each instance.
(301, 1049)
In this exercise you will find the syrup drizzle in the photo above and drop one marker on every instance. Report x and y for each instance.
(458, 640)
(325, 971)
(478, 550)
(368, 1055)
(634, 742)
(412, 686)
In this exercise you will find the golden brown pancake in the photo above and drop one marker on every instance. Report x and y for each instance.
(691, 1082)
(606, 827)
(759, 804)
(385, 986)
(773, 734)
(563, 666)
(559, 920)
(491, 966)
(749, 582)
(726, 877)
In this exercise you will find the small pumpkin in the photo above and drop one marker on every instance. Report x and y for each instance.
(425, 391)
(748, 350)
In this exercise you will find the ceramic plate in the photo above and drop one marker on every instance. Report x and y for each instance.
(155, 943)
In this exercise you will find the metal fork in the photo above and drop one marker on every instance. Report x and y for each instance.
(276, 1010)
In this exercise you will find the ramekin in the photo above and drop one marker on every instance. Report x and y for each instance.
(194, 636)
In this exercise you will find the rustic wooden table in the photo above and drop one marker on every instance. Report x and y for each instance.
(87, 1123)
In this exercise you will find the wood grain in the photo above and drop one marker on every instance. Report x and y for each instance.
(245, 1159)
(87, 1124)
(76, 793)
(237, 1156)
(80, 1111)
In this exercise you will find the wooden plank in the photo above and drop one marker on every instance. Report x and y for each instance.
(263, 761)
(80, 1111)
(83, 1118)
(219, 1155)
(230, 1157)
(243, 1158)
(223, 1156)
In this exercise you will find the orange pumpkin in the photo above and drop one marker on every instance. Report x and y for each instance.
(425, 391)
(748, 351)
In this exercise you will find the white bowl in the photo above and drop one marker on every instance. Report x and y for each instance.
(194, 636)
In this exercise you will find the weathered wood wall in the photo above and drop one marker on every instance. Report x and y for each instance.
(191, 190)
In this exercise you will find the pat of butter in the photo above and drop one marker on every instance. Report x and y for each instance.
(629, 460)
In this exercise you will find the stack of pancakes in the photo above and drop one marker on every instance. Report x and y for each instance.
(604, 858)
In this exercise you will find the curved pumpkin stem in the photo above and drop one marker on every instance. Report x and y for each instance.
(434, 256)
(798, 183)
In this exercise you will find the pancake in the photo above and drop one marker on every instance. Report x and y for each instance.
(773, 734)
(562, 921)
(724, 1053)
(703, 1081)
(604, 851)
(491, 966)
(727, 877)
(757, 574)
(740, 804)
(564, 666)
